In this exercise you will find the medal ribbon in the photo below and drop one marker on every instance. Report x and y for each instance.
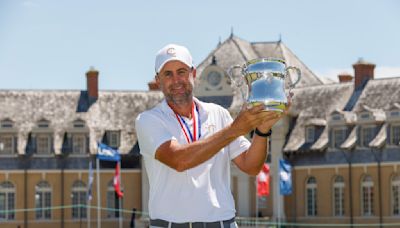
(196, 125)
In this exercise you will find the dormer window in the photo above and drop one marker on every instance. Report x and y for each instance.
(113, 138)
(364, 116)
(367, 134)
(43, 124)
(79, 124)
(395, 134)
(336, 117)
(7, 124)
(310, 134)
(338, 136)
(394, 113)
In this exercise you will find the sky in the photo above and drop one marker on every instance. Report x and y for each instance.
(48, 44)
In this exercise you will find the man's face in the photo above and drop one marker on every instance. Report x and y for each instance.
(176, 81)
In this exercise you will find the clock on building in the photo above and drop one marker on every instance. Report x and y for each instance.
(214, 78)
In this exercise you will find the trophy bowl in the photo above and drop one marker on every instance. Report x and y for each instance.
(264, 82)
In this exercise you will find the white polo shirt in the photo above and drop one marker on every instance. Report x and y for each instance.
(199, 194)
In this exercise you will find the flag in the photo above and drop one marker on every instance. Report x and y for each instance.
(263, 181)
(107, 153)
(90, 182)
(285, 177)
(117, 182)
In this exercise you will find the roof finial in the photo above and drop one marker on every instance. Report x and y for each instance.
(219, 40)
(280, 38)
(231, 31)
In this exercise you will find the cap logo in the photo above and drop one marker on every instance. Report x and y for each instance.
(171, 51)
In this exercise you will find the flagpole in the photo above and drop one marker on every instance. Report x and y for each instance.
(98, 193)
(120, 198)
(256, 202)
(88, 213)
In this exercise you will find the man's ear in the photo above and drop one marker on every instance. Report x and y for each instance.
(194, 73)
(157, 78)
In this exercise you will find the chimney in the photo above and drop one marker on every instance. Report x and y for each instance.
(92, 84)
(345, 77)
(153, 85)
(362, 71)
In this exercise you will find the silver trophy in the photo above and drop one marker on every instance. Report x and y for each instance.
(262, 81)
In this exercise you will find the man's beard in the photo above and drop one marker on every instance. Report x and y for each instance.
(180, 99)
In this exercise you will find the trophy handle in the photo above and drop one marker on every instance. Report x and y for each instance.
(298, 72)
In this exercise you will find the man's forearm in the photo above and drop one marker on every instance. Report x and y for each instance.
(183, 157)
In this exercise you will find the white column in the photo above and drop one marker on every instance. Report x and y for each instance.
(278, 137)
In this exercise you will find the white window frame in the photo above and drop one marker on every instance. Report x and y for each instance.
(362, 135)
(395, 195)
(7, 190)
(6, 124)
(392, 134)
(337, 129)
(367, 196)
(310, 134)
(43, 199)
(74, 138)
(111, 200)
(110, 135)
(12, 150)
(78, 196)
(311, 203)
(47, 149)
(338, 196)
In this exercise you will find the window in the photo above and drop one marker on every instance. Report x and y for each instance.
(367, 135)
(394, 113)
(78, 200)
(339, 136)
(6, 124)
(364, 116)
(311, 196)
(336, 117)
(310, 134)
(79, 124)
(7, 144)
(79, 143)
(43, 124)
(43, 142)
(396, 195)
(43, 200)
(367, 194)
(338, 196)
(395, 134)
(7, 201)
(113, 139)
(113, 201)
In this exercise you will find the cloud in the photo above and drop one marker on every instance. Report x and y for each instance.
(380, 72)
(29, 4)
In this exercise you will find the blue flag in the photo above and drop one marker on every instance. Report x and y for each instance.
(285, 177)
(107, 153)
(90, 182)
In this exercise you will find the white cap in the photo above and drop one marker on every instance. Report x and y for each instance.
(172, 52)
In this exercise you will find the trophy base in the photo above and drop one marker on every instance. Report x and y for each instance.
(270, 105)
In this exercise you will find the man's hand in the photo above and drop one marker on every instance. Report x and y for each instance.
(273, 117)
(249, 118)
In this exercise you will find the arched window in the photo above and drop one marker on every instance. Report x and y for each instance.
(311, 196)
(338, 196)
(367, 194)
(395, 195)
(43, 200)
(113, 201)
(79, 199)
(7, 201)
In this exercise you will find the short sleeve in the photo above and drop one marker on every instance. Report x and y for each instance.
(240, 144)
(151, 133)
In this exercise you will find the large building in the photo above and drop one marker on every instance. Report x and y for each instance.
(342, 140)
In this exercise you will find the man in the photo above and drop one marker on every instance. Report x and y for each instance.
(187, 146)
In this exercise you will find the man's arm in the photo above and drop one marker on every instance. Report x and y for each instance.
(183, 157)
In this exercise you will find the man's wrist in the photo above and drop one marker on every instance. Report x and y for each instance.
(265, 135)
